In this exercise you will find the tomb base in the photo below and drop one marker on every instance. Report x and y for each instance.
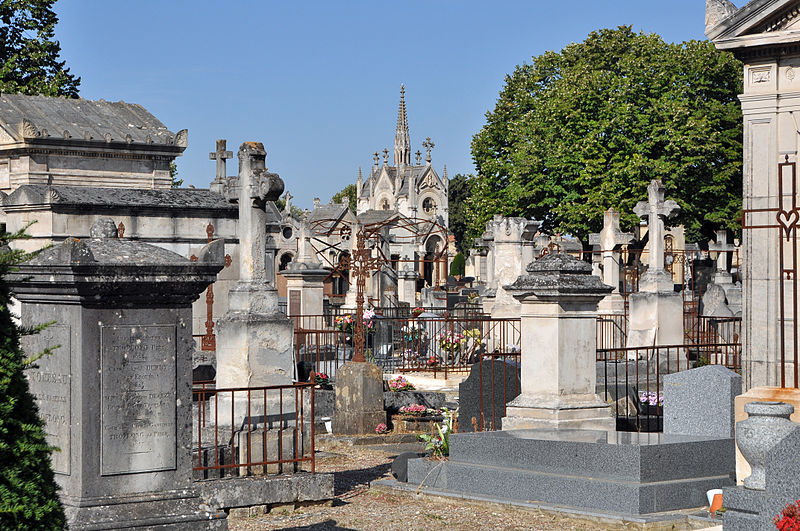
(359, 399)
(583, 412)
(656, 318)
(170, 510)
(613, 303)
(619, 472)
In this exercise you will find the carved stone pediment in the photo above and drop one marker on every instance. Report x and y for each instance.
(759, 22)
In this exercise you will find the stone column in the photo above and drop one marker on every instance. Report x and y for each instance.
(116, 394)
(407, 283)
(559, 297)
(254, 340)
(609, 239)
(656, 311)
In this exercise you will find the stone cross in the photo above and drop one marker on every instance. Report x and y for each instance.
(288, 206)
(256, 188)
(375, 158)
(419, 157)
(656, 209)
(722, 247)
(385, 156)
(608, 239)
(428, 145)
(220, 155)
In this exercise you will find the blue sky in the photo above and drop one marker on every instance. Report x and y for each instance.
(318, 82)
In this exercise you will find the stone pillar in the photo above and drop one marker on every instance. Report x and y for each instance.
(254, 340)
(559, 297)
(407, 283)
(656, 311)
(116, 394)
(510, 236)
(609, 239)
(305, 276)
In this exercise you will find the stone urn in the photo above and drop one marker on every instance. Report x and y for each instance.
(767, 424)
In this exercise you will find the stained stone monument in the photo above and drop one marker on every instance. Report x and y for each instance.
(510, 236)
(609, 239)
(116, 394)
(722, 277)
(559, 297)
(656, 310)
(254, 339)
(304, 278)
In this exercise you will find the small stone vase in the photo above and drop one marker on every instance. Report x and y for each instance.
(767, 424)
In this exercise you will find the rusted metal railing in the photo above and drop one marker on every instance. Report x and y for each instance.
(253, 430)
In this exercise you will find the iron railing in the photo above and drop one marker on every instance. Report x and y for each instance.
(252, 430)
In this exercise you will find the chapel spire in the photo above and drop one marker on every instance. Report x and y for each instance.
(402, 142)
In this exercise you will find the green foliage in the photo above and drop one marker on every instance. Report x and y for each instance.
(458, 192)
(587, 128)
(28, 498)
(458, 265)
(295, 211)
(438, 442)
(173, 173)
(348, 192)
(28, 52)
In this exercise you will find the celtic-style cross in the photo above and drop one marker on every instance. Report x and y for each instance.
(428, 145)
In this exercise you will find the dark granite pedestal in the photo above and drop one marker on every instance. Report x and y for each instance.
(615, 472)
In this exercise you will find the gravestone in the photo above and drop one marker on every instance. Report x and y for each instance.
(700, 401)
(483, 396)
(608, 240)
(115, 396)
(656, 311)
(359, 399)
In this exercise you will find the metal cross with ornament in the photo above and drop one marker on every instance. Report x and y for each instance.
(208, 342)
(362, 263)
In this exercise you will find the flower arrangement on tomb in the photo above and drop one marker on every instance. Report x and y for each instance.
(400, 384)
(651, 403)
(789, 518)
(438, 442)
(347, 323)
(451, 341)
(417, 410)
(414, 332)
(432, 361)
(416, 312)
(322, 380)
(381, 428)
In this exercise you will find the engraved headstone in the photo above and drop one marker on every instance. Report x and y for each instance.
(115, 395)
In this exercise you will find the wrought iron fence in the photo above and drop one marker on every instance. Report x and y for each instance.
(252, 430)
(492, 405)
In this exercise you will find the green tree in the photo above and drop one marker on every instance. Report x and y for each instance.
(348, 192)
(28, 498)
(173, 173)
(458, 192)
(458, 265)
(29, 54)
(578, 131)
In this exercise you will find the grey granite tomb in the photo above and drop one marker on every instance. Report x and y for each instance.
(116, 394)
(700, 401)
(484, 394)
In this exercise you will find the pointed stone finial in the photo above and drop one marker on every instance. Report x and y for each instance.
(419, 157)
(385, 156)
(717, 11)
(402, 141)
(375, 158)
(444, 173)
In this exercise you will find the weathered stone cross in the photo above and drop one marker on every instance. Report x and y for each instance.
(721, 276)
(656, 209)
(608, 239)
(220, 155)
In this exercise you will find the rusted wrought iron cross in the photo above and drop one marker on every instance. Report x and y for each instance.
(362, 264)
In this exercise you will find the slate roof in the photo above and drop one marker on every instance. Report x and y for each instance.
(329, 211)
(412, 174)
(182, 198)
(78, 116)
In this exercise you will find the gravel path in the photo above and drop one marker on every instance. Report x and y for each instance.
(359, 506)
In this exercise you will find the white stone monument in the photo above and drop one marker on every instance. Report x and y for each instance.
(304, 278)
(510, 236)
(609, 239)
(656, 310)
(558, 297)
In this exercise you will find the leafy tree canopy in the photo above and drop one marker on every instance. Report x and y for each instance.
(348, 192)
(29, 62)
(578, 131)
(458, 192)
(173, 173)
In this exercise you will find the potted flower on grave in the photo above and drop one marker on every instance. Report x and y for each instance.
(651, 403)
(322, 381)
(451, 342)
(438, 441)
(432, 361)
(789, 518)
(415, 339)
(417, 410)
(400, 384)
(415, 418)
(416, 312)
(347, 324)
(382, 429)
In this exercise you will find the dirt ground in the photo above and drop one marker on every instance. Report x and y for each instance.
(357, 505)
